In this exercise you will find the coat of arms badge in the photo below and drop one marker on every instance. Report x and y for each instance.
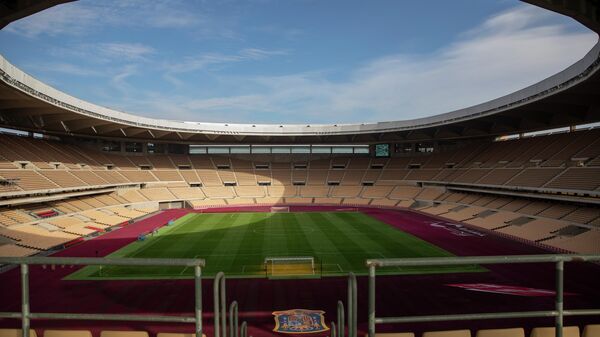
(298, 321)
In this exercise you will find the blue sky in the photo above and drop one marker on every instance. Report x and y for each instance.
(293, 61)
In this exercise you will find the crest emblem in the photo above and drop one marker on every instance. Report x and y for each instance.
(300, 321)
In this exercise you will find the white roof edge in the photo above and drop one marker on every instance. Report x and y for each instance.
(572, 75)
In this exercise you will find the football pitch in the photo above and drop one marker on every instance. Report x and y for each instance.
(238, 243)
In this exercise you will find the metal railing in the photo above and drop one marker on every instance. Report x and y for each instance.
(340, 320)
(233, 319)
(234, 329)
(352, 306)
(244, 329)
(219, 305)
(558, 313)
(338, 330)
(26, 315)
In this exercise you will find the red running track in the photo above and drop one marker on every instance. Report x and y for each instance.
(397, 295)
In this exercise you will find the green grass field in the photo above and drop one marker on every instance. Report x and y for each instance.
(237, 244)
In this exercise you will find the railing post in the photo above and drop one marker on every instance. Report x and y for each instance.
(340, 319)
(354, 305)
(25, 299)
(233, 319)
(333, 328)
(198, 299)
(219, 305)
(372, 300)
(349, 302)
(560, 266)
(244, 329)
(223, 307)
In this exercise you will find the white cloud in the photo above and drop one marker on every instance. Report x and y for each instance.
(58, 20)
(131, 51)
(210, 61)
(104, 52)
(66, 68)
(259, 54)
(84, 16)
(119, 79)
(507, 52)
(203, 61)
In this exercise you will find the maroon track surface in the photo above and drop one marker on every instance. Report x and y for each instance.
(396, 295)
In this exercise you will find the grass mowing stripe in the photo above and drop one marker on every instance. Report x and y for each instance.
(339, 240)
(145, 246)
(375, 237)
(323, 247)
(237, 244)
(232, 240)
(297, 243)
(248, 243)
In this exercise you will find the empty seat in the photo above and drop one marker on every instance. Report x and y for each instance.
(166, 334)
(124, 334)
(568, 331)
(591, 330)
(449, 333)
(15, 333)
(67, 333)
(394, 334)
(513, 332)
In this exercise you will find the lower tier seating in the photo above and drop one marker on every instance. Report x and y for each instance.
(565, 226)
(569, 331)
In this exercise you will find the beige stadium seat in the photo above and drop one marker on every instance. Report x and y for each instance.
(67, 333)
(568, 331)
(166, 334)
(513, 332)
(394, 334)
(449, 333)
(124, 334)
(15, 333)
(591, 330)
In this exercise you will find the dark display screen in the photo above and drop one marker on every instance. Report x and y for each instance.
(382, 150)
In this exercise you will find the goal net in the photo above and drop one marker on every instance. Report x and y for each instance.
(280, 209)
(289, 266)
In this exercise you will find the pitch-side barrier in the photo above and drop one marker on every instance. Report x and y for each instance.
(26, 315)
(558, 313)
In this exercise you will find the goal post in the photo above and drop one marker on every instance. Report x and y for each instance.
(280, 209)
(290, 266)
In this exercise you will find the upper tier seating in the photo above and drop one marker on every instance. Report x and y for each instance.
(28, 180)
(52, 165)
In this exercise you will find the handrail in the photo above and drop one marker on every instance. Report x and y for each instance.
(244, 329)
(96, 261)
(352, 305)
(219, 296)
(447, 261)
(558, 313)
(340, 319)
(233, 319)
(26, 315)
(333, 329)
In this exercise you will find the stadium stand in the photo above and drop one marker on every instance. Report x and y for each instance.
(499, 169)
(570, 331)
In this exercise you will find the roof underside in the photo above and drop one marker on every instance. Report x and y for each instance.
(567, 98)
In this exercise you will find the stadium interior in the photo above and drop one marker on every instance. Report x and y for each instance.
(524, 174)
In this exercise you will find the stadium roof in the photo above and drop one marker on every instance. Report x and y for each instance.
(567, 98)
